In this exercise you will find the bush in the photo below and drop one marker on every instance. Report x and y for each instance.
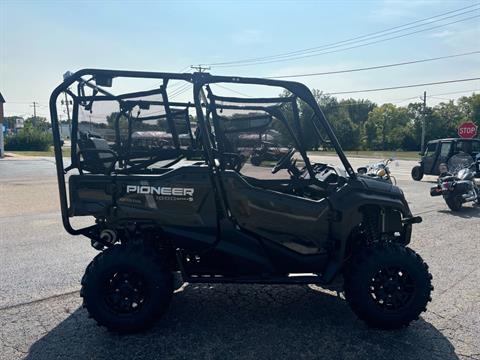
(29, 139)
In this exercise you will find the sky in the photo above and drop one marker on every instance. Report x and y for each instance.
(41, 40)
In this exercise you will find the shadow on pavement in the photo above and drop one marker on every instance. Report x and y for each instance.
(465, 212)
(246, 322)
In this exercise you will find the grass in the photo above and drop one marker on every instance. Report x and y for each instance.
(401, 155)
(66, 152)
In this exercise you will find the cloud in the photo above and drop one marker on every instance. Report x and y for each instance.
(389, 9)
(248, 37)
(442, 34)
(460, 37)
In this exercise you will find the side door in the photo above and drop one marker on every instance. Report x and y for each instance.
(297, 223)
(444, 154)
(429, 156)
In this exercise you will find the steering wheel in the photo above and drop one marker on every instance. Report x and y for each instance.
(234, 161)
(284, 162)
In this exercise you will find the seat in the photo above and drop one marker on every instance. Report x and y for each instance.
(98, 157)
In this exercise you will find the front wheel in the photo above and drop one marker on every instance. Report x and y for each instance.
(417, 173)
(126, 288)
(454, 202)
(388, 286)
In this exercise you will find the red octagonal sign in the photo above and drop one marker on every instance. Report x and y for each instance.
(467, 130)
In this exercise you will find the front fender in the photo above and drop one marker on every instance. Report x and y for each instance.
(349, 201)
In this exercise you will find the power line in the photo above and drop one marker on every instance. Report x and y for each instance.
(372, 67)
(178, 93)
(402, 86)
(183, 69)
(175, 86)
(439, 98)
(456, 92)
(365, 37)
(231, 90)
(396, 101)
(179, 90)
(343, 103)
(180, 71)
(354, 46)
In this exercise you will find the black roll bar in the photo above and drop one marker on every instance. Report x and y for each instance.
(199, 80)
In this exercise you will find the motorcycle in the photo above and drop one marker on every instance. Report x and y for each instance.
(380, 170)
(457, 182)
(267, 151)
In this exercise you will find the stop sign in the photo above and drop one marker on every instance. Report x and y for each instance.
(467, 130)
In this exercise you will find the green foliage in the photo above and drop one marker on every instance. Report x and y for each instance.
(122, 121)
(37, 123)
(156, 125)
(387, 126)
(360, 124)
(29, 138)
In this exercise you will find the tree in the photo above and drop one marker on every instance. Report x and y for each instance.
(385, 127)
(111, 119)
(38, 123)
(358, 110)
(470, 108)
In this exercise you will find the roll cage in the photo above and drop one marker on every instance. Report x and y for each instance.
(210, 141)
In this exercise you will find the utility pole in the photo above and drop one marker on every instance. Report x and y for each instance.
(35, 110)
(424, 119)
(2, 145)
(68, 115)
(200, 68)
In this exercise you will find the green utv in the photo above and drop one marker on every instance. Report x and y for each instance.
(171, 193)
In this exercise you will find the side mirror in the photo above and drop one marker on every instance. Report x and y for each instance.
(362, 170)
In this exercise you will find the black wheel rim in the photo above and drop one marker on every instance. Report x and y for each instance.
(125, 292)
(392, 288)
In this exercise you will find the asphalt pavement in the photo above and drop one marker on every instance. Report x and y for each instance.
(41, 315)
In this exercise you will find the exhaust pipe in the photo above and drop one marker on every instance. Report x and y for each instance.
(469, 197)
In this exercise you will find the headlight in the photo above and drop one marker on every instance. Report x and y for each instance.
(381, 172)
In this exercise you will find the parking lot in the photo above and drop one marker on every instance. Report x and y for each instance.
(41, 315)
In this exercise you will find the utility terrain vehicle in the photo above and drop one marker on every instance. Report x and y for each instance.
(440, 151)
(208, 214)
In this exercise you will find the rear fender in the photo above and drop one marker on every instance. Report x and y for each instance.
(462, 187)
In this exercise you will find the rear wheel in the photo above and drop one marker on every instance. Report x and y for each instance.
(388, 286)
(417, 173)
(126, 288)
(454, 202)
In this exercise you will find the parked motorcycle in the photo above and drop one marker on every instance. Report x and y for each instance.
(380, 170)
(457, 182)
(267, 151)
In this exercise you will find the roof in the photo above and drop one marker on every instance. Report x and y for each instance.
(452, 139)
(2, 100)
